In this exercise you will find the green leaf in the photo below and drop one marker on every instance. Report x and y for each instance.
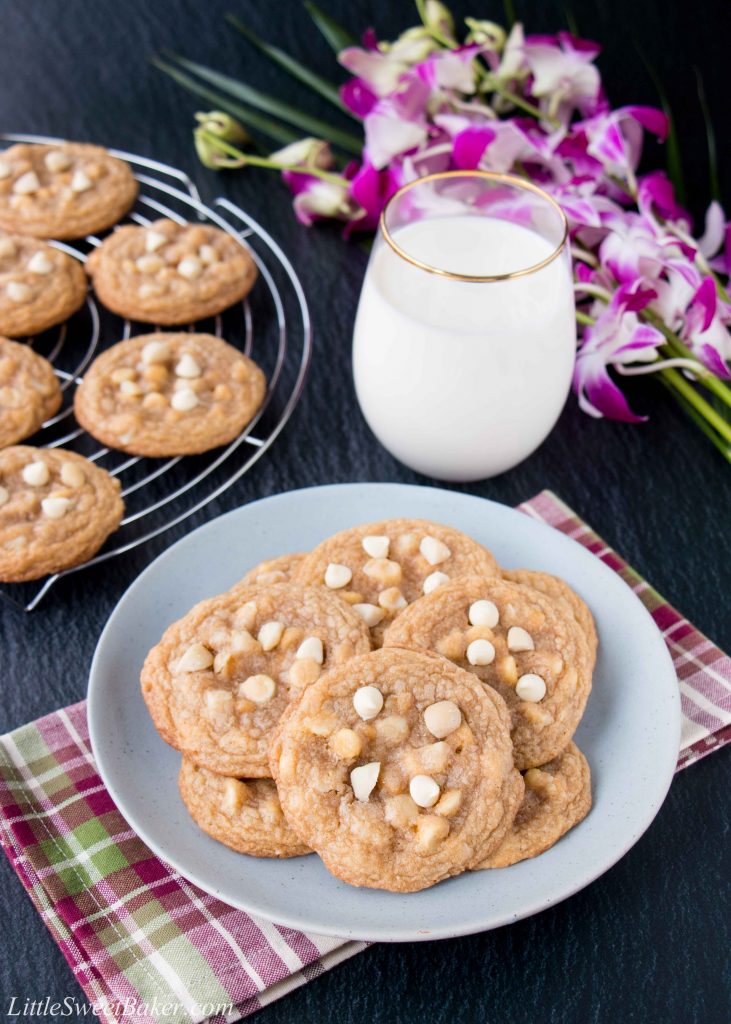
(509, 8)
(249, 118)
(673, 158)
(715, 181)
(337, 36)
(573, 25)
(303, 74)
(270, 105)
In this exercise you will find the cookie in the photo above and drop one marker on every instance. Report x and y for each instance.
(380, 568)
(219, 679)
(171, 273)
(397, 768)
(56, 510)
(555, 587)
(557, 797)
(39, 286)
(275, 570)
(29, 392)
(169, 394)
(517, 641)
(63, 190)
(244, 814)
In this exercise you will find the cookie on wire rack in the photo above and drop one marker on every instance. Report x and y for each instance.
(40, 286)
(29, 392)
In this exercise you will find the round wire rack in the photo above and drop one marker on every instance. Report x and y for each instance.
(272, 325)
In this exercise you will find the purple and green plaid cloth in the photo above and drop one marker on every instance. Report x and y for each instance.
(143, 942)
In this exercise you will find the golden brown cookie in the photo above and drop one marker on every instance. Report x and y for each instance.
(397, 768)
(244, 814)
(64, 190)
(557, 797)
(39, 286)
(219, 679)
(29, 392)
(557, 588)
(380, 568)
(169, 394)
(518, 641)
(170, 273)
(275, 570)
(56, 510)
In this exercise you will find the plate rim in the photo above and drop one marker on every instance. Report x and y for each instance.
(294, 920)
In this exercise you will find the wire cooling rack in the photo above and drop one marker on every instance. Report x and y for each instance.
(272, 325)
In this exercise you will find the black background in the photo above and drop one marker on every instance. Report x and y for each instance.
(649, 940)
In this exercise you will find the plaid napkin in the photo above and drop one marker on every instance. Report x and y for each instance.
(147, 945)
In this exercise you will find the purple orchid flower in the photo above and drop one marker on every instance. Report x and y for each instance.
(316, 199)
(397, 123)
(371, 189)
(633, 248)
(706, 328)
(617, 338)
(564, 77)
(615, 138)
(656, 198)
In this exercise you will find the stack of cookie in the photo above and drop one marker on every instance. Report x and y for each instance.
(393, 701)
(156, 395)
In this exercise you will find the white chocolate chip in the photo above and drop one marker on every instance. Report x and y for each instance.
(7, 247)
(55, 507)
(480, 652)
(337, 576)
(72, 474)
(17, 291)
(207, 254)
(367, 701)
(384, 571)
(5, 169)
(434, 551)
(311, 647)
(392, 600)
(270, 634)
(424, 790)
(39, 263)
(376, 546)
(184, 400)
(187, 367)
(484, 613)
(4, 495)
(442, 718)
(36, 474)
(56, 160)
(190, 268)
(519, 639)
(259, 689)
(80, 182)
(370, 614)
(346, 743)
(149, 264)
(155, 352)
(235, 795)
(531, 687)
(196, 658)
(430, 831)
(130, 387)
(434, 580)
(153, 240)
(364, 778)
(26, 184)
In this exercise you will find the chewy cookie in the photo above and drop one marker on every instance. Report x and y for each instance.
(169, 394)
(275, 570)
(220, 678)
(244, 814)
(64, 190)
(29, 392)
(56, 510)
(557, 797)
(380, 568)
(517, 641)
(170, 273)
(39, 286)
(397, 768)
(558, 589)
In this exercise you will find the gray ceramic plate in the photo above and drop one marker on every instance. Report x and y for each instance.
(630, 731)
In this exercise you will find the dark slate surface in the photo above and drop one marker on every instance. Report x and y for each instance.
(648, 941)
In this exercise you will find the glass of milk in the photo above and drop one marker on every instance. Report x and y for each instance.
(465, 336)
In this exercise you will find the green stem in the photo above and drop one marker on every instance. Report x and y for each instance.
(437, 36)
(699, 421)
(584, 318)
(262, 161)
(525, 105)
(676, 346)
(678, 383)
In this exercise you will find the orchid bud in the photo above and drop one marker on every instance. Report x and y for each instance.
(223, 127)
(485, 33)
(439, 18)
(305, 153)
(412, 46)
(209, 153)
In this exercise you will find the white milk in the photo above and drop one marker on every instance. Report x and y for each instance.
(462, 380)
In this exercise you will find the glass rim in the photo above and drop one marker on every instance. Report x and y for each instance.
(510, 179)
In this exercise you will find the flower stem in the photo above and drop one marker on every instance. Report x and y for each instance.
(525, 105)
(262, 161)
(676, 346)
(700, 422)
(683, 387)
